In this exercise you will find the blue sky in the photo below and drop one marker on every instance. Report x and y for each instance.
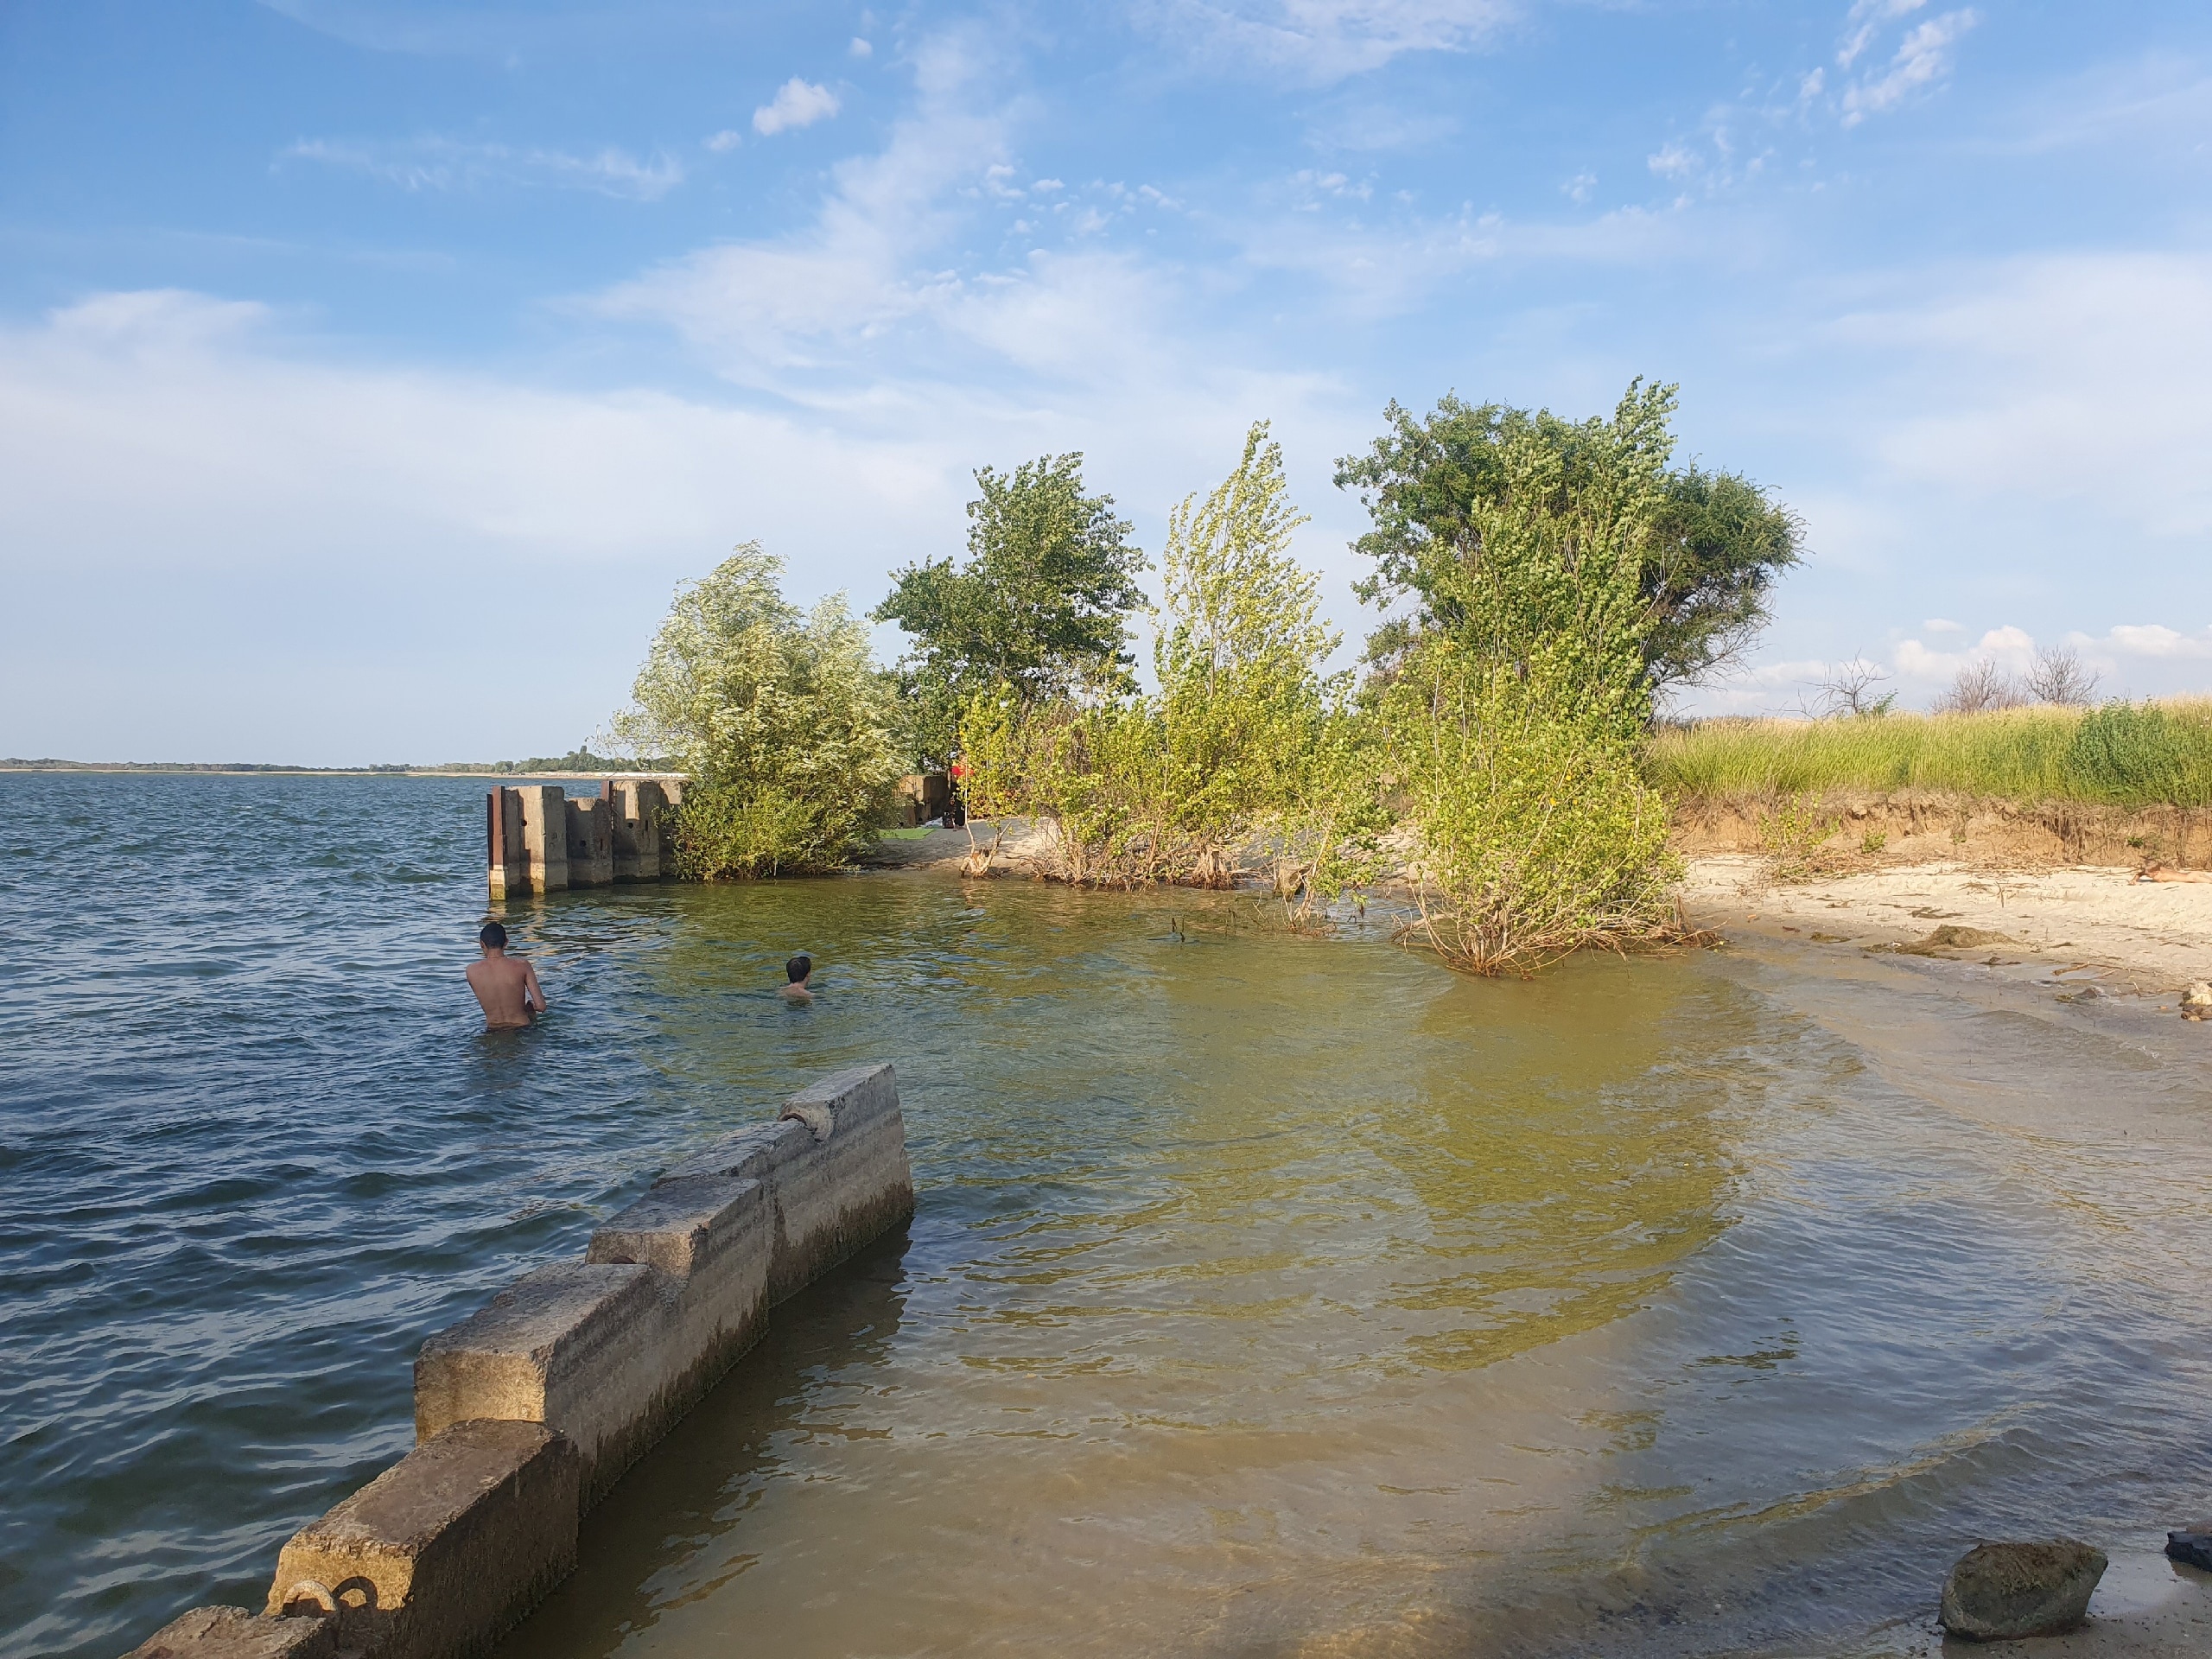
(370, 374)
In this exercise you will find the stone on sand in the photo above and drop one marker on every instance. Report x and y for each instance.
(2001, 1592)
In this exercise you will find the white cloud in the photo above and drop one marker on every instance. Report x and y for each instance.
(1321, 42)
(2053, 379)
(1581, 187)
(2153, 640)
(797, 104)
(725, 141)
(436, 163)
(1940, 625)
(234, 508)
(1865, 21)
(1923, 59)
(1673, 159)
(2008, 646)
(861, 49)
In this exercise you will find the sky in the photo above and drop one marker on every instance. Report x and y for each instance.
(370, 374)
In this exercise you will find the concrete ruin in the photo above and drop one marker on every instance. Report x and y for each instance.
(527, 1412)
(539, 841)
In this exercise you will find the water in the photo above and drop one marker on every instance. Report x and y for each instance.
(1265, 1295)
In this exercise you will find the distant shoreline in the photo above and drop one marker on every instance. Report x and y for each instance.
(253, 769)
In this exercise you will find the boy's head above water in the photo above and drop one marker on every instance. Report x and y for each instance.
(798, 969)
(493, 938)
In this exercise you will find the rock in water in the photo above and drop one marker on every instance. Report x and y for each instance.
(2192, 1546)
(2196, 1002)
(1998, 1592)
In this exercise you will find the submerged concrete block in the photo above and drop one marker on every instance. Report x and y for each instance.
(640, 806)
(829, 1196)
(234, 1633)
(710, 1239)
(590, 829)
(443, 1552)
(577, 1346)
(545, 835)
(506, 854)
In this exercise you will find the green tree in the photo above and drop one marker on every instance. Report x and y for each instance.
(779, 717)
(1714, 546)
(1247, 753)
(1038, 607)
(1513, 710)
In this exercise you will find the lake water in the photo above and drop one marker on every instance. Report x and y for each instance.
(1265, 1295)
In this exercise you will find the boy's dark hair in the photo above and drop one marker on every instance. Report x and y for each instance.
(798, 968)
(493, 935)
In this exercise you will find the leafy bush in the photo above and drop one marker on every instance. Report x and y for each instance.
(2133, 754)
(1538, 835)
(778, 717)
(1248, 754)
(1513, 717)
(1793, 832)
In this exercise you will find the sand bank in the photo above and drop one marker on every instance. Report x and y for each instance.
(2152, 938)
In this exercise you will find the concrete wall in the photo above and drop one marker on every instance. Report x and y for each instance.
(528, 1411)
(545, 834)
(640, 806)
(506, 848)
(537, 840)
(590, 831)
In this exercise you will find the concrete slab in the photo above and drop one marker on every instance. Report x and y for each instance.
(591, 843)
(640, 806)
(234, 1633)
(577, 1346)
(441, 1553)
(828, 1197)
(710, 1239)
(545, 835)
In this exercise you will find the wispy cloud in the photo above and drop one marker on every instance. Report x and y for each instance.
(2053, 380)
(1865, 21)
(1322, 41)
(437, 163)
(1923, 61)
(797, 104)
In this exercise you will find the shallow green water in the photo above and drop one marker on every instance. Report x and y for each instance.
(1265, 1295)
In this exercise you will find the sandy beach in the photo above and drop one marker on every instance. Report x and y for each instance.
(2147, 938)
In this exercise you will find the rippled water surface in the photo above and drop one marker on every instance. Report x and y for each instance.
(1265, 1295)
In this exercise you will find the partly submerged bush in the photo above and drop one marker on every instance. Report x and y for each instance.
(1538, 835)
(1247, 758)
(777, 716)
(1514, 718)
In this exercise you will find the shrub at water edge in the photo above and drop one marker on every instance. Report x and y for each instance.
(779, 716)
(1514, 701)
(1248, 752)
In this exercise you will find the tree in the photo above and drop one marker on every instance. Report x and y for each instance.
(1980, 688)
(1039, 607)
(1713, 545)
(779, 717)
(1247, 751)
(1516, 698)
(2058, 674)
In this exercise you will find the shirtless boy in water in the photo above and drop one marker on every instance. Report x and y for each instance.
(797, 971)
(507, 986)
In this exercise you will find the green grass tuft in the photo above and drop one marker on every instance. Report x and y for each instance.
(2122, 754)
